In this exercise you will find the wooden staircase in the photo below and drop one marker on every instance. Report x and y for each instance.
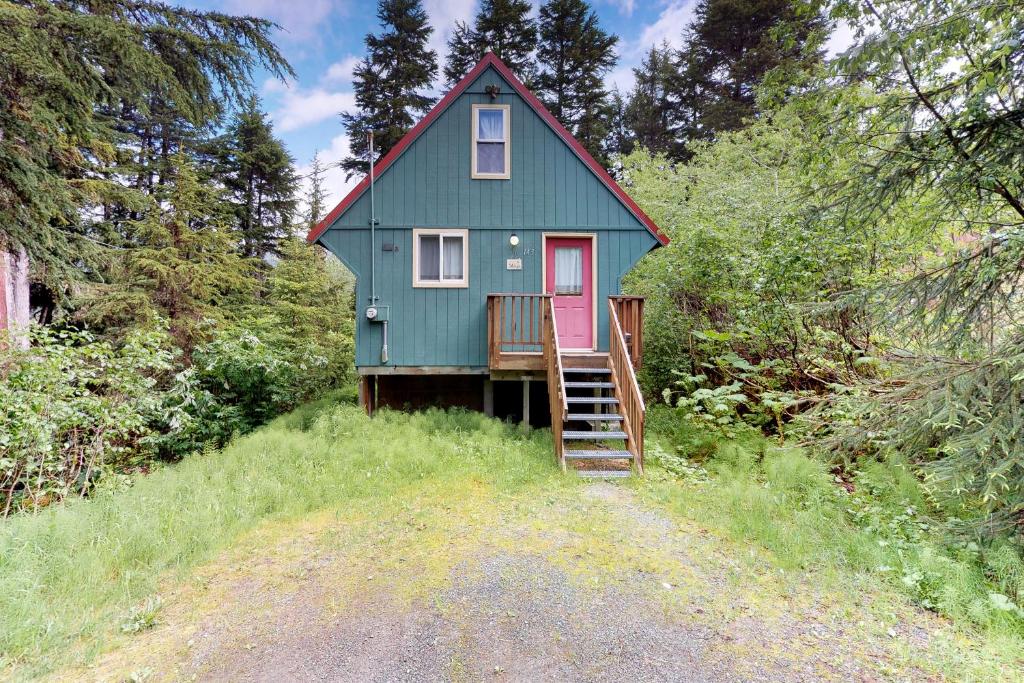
(593, 435)
(597, 411)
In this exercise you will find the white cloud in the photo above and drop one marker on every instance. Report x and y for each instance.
(300, 20)
(341, 72)
(335, 184)
(443, 15)
(668, 27)
(298, 107)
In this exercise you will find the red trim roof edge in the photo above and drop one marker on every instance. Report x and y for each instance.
(490, 59)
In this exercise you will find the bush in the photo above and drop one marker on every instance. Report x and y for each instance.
(880, 521)
(74, 409)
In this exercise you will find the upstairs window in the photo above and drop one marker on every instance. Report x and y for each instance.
(440, 258)
(491, 149)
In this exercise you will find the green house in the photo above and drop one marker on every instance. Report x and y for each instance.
(489, 249)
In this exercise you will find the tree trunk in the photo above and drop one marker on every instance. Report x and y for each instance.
(15, 313)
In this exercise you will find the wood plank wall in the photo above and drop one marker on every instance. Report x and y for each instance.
(550, 190)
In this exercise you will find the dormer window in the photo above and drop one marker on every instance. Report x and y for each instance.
(491, 149)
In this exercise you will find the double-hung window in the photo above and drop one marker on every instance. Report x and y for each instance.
(440, 258)
(491, 149)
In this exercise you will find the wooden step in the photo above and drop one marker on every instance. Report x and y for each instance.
(597, 455)
(592, 371)
(604, 474)
(601, 417)
(608, 400)
(592, 436)
(589, 385)
(586, 359)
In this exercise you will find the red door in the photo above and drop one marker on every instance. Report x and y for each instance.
(570, 277)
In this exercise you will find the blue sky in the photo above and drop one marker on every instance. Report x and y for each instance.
(323, 39)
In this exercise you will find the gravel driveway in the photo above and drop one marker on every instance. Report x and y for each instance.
(588, 585)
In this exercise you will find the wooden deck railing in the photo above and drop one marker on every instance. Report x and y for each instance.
(515, 331)
(630, 310)
(556, 379)
(627, 389)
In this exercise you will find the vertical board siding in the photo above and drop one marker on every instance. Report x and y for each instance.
(550, 190)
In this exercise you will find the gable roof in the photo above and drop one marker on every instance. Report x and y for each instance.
(490, 59)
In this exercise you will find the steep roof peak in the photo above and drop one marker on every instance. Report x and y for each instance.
(489, 60)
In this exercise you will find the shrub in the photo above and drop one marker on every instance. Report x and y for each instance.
(73, 409)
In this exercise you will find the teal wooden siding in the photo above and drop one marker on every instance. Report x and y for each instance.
(429, 186)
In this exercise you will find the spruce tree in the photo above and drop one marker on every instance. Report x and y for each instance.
(389, 82)
(463, 53)
(316, 196)
(728, 50)
(575, 54)
(258, 173)
(184, 267)
(73, 76)
(503, 27)
(649, 113)
(620, 140)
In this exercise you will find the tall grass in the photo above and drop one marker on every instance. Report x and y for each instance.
(69, 574)
(882, 528)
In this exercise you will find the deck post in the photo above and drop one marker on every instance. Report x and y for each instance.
(526, 402)
(488, 397)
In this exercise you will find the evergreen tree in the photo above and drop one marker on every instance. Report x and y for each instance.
(316, 195)
(389, 81)
(184, 268)
(575, 54)
(463, 53)
(258, 174)
(503, 27)
(308, 300)
(648, 115)
(73, 76)
(620, 142)
(729, 49)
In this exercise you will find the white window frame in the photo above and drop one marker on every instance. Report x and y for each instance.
(442, 233)
(507, 109)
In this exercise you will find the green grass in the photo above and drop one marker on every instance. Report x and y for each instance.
(883, 532)
(72, 574)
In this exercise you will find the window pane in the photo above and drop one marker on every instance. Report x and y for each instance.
(452, 258)
(568, 270)
(490, 157)
(490, 124)
(430, 257)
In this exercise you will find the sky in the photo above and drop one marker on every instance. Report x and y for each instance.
(323, 40)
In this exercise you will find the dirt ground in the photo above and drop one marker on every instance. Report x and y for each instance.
(586, 584)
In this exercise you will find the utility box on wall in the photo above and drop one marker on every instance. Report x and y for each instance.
(378, 314)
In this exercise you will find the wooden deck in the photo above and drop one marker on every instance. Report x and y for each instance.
(522, 338)
(515, 333)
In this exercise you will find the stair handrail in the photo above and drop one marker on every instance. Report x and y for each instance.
(556, 379)
(631, 400)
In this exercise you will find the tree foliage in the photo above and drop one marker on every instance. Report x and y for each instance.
(928, 105)
(65, 65)
(143, 206)
(575, 55)
(184, 267)
(389, 82)
(649, 114)
(727, 52)
(503, 27)
(258, 175)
